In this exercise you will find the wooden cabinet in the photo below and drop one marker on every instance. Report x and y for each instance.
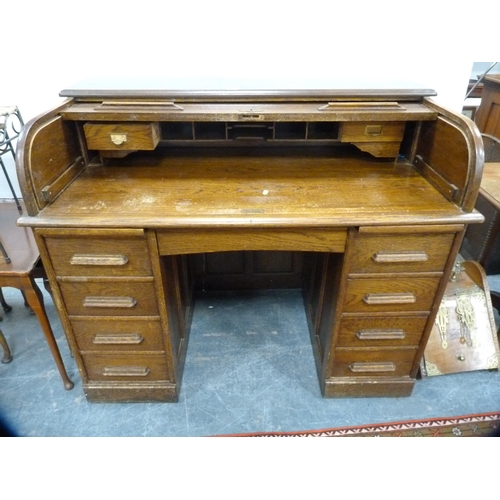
(359, 197)
(488, 114)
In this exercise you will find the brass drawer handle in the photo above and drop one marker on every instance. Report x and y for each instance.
(389, 298)
(118, 138)
(126, 371)
(84, 259)
(374, 334)
(410, 256)
(98, 301)
(384, 366)
(124, 338)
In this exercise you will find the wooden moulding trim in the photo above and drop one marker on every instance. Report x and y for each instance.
(451, 228)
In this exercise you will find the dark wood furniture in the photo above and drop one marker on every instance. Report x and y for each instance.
(20, 272)
(488, 114)
(139, 197)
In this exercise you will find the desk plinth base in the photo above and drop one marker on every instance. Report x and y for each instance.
(161, 392)
(367, 388)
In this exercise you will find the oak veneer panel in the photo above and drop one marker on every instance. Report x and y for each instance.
(215, 240)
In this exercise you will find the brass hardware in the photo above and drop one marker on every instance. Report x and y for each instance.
(461, 357)
(374, 334)
(250, 116)
(373, 130)
(410, 256)
(118, 139)
(83, 259)
(97, 301)
(372, 367)
(389, 298)
(124, 338)
(126, 371)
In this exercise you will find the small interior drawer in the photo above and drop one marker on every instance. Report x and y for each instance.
(372, 131)
(118, 334)
(122, 136)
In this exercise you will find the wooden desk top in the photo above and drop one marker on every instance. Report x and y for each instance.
(184, 190)
(18, 242)
(491, 180)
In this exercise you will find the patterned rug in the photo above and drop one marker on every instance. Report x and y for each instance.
(485, 424)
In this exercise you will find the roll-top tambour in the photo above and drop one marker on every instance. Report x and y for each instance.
(98, 260)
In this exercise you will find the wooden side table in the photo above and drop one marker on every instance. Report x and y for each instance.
(20, 272)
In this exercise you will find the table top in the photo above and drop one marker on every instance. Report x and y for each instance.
(19, 243)
(491, 180)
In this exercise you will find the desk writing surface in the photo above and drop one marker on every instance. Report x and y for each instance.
(184, 190)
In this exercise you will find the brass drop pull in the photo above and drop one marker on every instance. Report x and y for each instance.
(126, 371)
(118, 139)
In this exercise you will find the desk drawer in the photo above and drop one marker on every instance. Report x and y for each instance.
(375, 253)
(369, 295)
(116, 298)
(122, 136)
(385, 331)
(372, 131)
(118, 334)
(87, 256)
(373, 363)
(126, 368)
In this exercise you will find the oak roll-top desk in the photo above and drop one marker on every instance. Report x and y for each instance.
(139, 197)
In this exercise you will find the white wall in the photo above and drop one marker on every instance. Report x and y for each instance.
(60, 43)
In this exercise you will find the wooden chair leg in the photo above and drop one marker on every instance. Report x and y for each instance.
(7, 356)
(4, 304)
(34, 298)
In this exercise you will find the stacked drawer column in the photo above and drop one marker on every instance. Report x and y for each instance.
(386, 306)
(109, 288)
